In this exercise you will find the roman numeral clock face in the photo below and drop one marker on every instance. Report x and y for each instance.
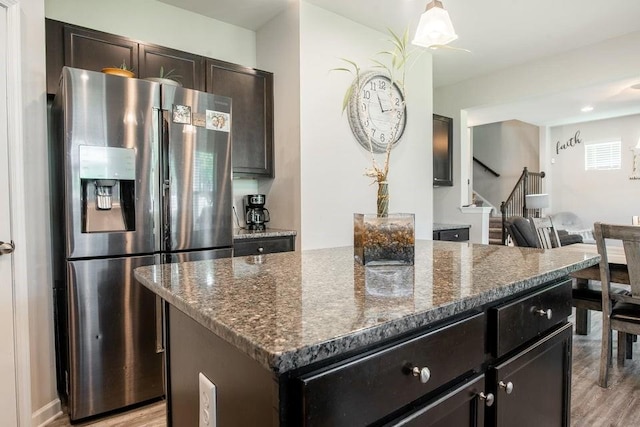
(377, 112)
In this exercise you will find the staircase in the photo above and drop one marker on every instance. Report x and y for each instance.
(495, 230)
(528, 183)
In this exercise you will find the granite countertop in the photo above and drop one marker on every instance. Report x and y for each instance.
(289, 309)
(240, 233)
(441, 227)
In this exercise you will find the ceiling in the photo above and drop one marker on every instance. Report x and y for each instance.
(499, 34)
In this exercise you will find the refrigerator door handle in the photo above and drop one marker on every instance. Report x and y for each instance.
(166, 183)
(159, 325)
(156, 176)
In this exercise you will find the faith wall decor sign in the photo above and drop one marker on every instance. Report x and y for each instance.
(572, 142)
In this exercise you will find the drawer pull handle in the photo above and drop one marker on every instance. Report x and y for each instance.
(455, 236)
(508, 387)
(544, 313)
(423, 373)
(488, 398)
(260, 249)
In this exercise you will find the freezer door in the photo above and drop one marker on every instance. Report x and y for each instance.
(196, 170)
(112, 338)
(110, 137)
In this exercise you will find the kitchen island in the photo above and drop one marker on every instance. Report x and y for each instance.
(471, 333)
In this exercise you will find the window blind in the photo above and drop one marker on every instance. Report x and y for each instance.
(603, 156)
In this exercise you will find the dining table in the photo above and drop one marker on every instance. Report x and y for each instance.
(618, 271)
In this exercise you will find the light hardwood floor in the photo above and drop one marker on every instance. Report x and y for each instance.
(619, 404)
(592, 406)
(152, 415)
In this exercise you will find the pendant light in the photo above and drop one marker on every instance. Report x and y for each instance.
(435, 27)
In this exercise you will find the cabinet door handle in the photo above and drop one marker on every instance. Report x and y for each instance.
(543, 313)
(488, 398)
(508, 387)
(260, 249)
(423, 373)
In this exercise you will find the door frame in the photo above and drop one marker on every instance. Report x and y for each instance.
(17, 193)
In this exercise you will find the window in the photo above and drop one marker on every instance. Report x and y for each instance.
(602, 156)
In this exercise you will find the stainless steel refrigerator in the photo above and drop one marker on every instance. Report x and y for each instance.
(141, 174)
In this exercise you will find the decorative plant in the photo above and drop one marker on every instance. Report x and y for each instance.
(124, 66)
(169, 74)
(393, 63)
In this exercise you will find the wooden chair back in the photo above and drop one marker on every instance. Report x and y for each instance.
(547, 234)
(624, 316)
(629, 235)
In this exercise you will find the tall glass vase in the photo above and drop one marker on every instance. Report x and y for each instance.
(384, 240)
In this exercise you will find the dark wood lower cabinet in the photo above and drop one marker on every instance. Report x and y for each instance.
(463, 406)
(452, 235)
(370, 388)
(465, 383)
(267, 245)
(533, 387)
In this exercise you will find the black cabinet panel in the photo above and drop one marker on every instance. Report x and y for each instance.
(251, 92)
(188, 68)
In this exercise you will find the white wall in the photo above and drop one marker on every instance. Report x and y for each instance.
(159, 23)
(332, 162)
(607, 196)
(44, 396)
(607, 61)
(278, 49)
(505, 147)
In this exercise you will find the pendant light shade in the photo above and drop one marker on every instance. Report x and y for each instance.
(435, 27)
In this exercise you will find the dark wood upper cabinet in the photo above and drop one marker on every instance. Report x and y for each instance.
(94, 50)
(442, 151)
(251, 91)
(188, 68)
(83, 48)
(54, 37)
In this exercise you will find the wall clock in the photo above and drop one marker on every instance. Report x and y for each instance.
(377, 112)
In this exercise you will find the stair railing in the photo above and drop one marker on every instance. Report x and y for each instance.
(487, 168)
(516, 203)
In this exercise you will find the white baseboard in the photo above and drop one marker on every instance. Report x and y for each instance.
(46, 414)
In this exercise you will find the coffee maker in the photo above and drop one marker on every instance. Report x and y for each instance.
(255, 214)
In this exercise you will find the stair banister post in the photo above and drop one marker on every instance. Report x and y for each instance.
(525, 187)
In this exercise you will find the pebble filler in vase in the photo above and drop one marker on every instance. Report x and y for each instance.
(384, 240)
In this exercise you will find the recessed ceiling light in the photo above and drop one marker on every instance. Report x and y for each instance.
(636, 86)
(587, 109)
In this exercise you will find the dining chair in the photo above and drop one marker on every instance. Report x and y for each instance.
(546, 232)
(620, 312)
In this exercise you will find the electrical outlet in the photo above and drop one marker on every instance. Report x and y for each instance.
(207, 409)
